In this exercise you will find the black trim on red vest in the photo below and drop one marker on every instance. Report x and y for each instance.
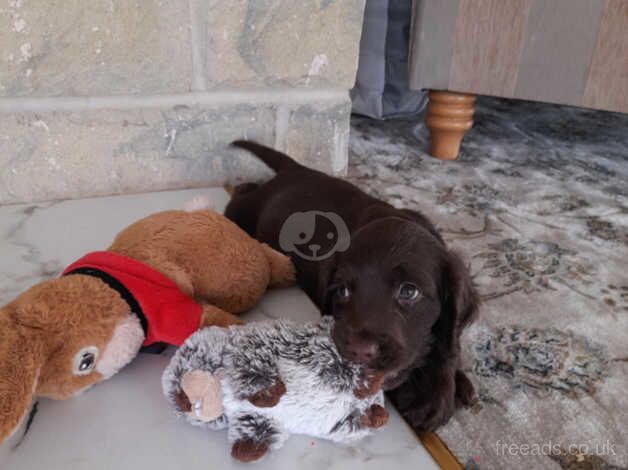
(119, 288)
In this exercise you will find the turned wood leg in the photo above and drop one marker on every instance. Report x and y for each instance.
(449, 117)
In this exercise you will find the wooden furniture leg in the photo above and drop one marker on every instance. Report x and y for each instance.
(449, 117)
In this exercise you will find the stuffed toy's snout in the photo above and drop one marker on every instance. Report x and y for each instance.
(203, 393)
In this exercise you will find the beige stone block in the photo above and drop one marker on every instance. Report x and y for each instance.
(311, 43)
(317, 135)
(92, 152)
(95, 47)
(56, 155)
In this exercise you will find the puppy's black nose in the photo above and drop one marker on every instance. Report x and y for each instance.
(362, 351)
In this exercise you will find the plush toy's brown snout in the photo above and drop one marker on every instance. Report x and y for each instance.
(65, 334)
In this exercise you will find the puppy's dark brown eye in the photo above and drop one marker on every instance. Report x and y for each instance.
(407, 292)
(343, 293)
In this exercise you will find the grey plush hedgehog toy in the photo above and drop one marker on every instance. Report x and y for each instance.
(269, 379)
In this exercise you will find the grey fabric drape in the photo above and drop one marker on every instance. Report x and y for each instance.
(381, 90)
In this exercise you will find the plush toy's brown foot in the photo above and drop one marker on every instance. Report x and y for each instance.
(248, 450)
(375, 417)
(214, 316)
(374, 382)
(182, 401)
(270, 396)
(282, 273)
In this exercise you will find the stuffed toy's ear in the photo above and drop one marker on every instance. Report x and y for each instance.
(21, 357)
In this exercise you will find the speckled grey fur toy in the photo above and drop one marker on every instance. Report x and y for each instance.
(321, 396)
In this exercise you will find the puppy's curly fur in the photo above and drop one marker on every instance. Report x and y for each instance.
(417, 344)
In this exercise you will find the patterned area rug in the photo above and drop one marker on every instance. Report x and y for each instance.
(538, 205)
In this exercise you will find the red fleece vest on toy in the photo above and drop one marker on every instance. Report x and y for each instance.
(167, 314)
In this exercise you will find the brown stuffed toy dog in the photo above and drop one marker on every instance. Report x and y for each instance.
(65, 334)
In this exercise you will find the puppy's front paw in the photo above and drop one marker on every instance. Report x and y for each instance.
(431, 415)
(375, 417)
(270, 396)
(465, 392)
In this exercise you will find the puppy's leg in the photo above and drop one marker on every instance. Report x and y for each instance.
(465, 392)
(252, 435)
(214, 316)
(427, 399)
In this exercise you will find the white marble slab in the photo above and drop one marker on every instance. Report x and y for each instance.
(125, 421)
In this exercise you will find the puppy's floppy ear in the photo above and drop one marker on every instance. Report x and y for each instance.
(464, 297)
(21, 358)
(326, 288)
(460, 301)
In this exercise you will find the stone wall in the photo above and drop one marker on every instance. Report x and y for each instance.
(116, 96)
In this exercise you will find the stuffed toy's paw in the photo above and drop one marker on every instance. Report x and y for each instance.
(248, 450)
(372, 384)
(203, 394)
(375, 417)
(270, 396)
